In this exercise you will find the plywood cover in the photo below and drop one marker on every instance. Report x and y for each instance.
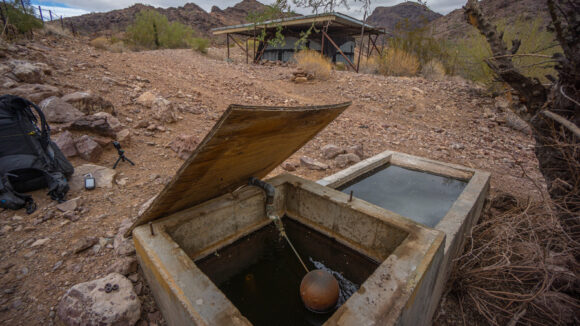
(247, 141)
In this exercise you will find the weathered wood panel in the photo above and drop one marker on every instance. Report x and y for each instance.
(247, 141)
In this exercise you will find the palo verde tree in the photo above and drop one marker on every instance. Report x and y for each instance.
(553, 111)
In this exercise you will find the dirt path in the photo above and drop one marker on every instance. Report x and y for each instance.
(444, 120)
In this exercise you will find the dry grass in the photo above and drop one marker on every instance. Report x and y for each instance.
(520, 267)
(370, 65)
(314, 63)
(397, 62)
(100, 42)
(118, 47)
(433, 70)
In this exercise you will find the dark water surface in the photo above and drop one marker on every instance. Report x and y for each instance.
(261, 275)
(420, 196)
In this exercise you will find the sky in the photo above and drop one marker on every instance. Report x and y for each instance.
(68, 8)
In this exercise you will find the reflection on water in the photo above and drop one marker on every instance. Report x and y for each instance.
(420, 196)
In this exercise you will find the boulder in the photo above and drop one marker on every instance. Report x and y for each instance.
(344, 160)
(88, 149)
(90, 304)
(66, 143)
(89, 103)
(104, 176)
(356, 149)
(124, 266)
(58, 111)
(183, 145)
(35, 92)
(101, 123)
(312, 164)
(123, 246)
(146, 99)
(163, 111)
(26, 72)
(83, 244)
(124, 136)
(331, 151)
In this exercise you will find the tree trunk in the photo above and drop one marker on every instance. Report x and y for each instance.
(554, 113)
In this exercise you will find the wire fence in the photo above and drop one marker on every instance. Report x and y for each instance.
(45, 15)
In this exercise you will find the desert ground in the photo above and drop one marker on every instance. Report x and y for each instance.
(451, 120)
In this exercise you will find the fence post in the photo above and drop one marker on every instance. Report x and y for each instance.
(72, 27)
(40, 12)
(61, 23)
(50, 13)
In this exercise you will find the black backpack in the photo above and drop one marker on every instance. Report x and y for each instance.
(29, 160)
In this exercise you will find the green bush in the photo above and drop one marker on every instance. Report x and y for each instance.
(468, 55)
(152, 30)
(23, 20)
(199, 44)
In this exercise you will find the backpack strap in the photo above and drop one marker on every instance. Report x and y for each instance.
(10, 199)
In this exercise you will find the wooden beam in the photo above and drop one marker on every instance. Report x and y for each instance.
(340, 51)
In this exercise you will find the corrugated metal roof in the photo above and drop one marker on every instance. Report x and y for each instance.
(296, 21)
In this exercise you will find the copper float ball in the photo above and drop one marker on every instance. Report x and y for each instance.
(319, 290)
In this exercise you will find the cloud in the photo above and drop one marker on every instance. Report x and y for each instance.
(85, 6)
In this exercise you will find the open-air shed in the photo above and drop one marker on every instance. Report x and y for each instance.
(333, 35)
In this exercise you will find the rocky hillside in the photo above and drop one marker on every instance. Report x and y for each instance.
(414, 13)
(189, 14)
(453, 25)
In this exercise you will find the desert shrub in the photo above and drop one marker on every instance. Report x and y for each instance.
(419, 42)
(152, 30)
(100, 42)
(397, 62)
(23, 20)
(56, 30)
(199, 44)
(117, 47)
(370, 65)
(533, 58)
(340, 66)
(433, 70)
(314, 63)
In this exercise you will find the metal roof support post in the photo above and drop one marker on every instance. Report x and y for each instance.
(369, 46)
(362, 34)
(340, 51)
(254, 43)
(375, 44)
(228, 45)
(241, 47)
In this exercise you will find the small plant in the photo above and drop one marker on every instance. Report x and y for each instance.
(152, 30)
(21, 20)
(397, 62)
(314, 63)
(370, 65)
(100, 42)
(117, 47)
(433, 70)
(199, 44)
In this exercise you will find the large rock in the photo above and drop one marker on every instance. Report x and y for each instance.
(104, 176)
(123, 246)
(89, 304)
(101, 123)
(345, 160)
(312, 164)
(88, 149)
(146, 99)
(35, 92)
(58, 111)
(66, 143)
(183, 145)
(163, 111)
(331, 151)
(26, 72)
(89, 103)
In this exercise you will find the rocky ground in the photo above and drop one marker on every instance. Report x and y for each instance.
(160, 104)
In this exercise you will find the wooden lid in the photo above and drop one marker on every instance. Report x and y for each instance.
(247, 141)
